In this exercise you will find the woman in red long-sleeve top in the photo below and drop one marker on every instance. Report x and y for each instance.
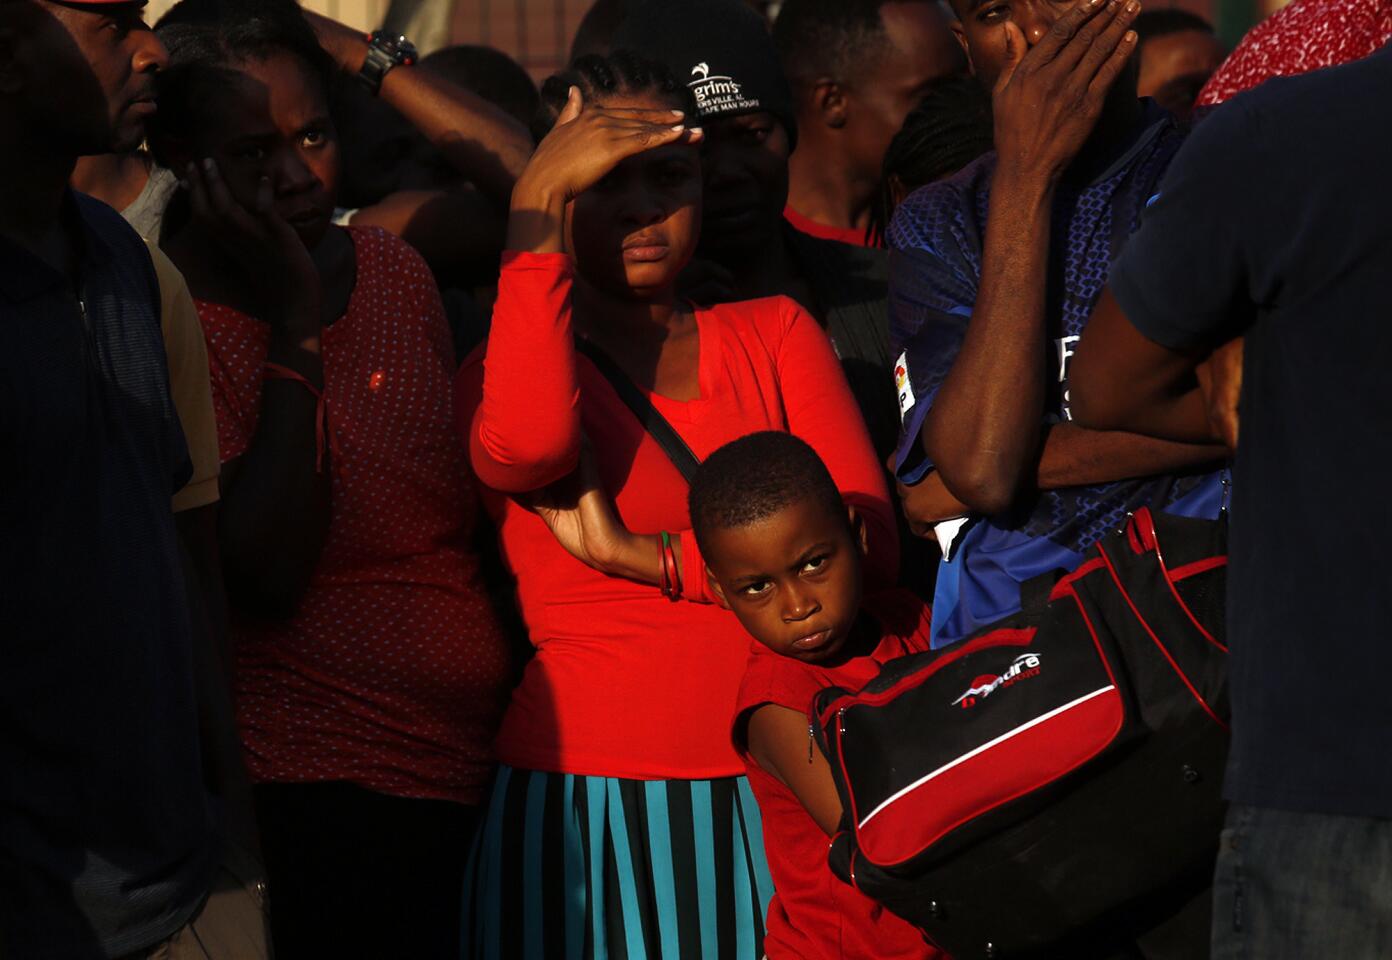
(620, 820)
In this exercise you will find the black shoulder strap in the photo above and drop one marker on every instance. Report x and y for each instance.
(655, 423)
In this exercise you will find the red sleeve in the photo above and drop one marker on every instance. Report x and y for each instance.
(524, 432)
(695, 587)
(770, 678)
(822, 411)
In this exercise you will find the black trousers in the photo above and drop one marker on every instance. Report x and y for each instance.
(356, 874)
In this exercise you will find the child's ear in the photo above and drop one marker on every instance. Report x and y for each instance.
(716, 589)
(858, 532)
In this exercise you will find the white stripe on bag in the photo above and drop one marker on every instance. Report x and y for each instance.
(985, 746)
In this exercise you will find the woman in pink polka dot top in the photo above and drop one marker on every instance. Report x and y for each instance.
(371, 668)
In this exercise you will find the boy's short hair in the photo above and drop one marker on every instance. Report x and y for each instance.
(752, 478)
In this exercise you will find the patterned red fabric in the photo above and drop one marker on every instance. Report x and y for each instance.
(1305, 36)
(393, 673)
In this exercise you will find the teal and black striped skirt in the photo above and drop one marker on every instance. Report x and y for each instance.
(573, 867)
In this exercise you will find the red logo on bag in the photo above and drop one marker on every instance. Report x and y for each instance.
(1026, 665)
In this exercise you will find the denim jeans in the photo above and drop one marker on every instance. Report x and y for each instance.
(1302, 886)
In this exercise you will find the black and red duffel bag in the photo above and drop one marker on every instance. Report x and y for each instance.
(1054, 775)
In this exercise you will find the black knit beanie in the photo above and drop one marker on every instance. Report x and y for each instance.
(720, 48)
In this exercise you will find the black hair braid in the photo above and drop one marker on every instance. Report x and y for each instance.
(950, 127)
(620, 72)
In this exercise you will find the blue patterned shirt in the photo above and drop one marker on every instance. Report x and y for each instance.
(936, 242)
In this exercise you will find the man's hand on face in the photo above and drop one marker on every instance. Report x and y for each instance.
(1049, 96)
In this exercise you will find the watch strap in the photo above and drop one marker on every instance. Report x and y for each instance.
(384, 52)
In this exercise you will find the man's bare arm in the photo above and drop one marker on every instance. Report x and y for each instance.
(1120, 380)
(482, 141)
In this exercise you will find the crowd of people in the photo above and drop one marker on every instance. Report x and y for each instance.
(433, 502)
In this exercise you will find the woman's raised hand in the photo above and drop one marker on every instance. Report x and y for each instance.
(265, 251)
(585, 144)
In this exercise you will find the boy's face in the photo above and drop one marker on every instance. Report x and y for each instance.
(792, 579)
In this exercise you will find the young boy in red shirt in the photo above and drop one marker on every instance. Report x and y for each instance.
(784, 553)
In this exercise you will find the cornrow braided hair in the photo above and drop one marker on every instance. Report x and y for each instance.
(950, 127)
(620, 72)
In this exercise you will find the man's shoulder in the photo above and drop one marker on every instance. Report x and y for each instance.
(946, 206)
(107, 222)
(1339, 97)
(120, 260)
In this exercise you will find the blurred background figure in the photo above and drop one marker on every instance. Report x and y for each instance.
(1178, 54)
(489, 73)
(597, 27)
(546, 35)
(856, 68)
(950, 127)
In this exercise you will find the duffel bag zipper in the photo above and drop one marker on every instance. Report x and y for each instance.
(1015, 638)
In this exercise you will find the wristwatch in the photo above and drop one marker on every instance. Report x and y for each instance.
(384, 52)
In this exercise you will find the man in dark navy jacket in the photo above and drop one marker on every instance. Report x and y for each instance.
(109, 844)
(1274, 224)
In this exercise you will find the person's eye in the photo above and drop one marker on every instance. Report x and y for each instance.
(757, 134)
(994, 14)
(757, 589)
(315, 138)
(815, 564)
(252, 154)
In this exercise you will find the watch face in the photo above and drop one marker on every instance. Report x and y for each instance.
(401, 50)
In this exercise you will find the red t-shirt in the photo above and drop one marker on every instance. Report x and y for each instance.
(814, 915)
(852, 235)
(626, 683)
(1304, 36)
(393, 672)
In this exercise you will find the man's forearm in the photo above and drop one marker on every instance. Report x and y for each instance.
(1076, 456)
(482, 141)
(983, 431)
